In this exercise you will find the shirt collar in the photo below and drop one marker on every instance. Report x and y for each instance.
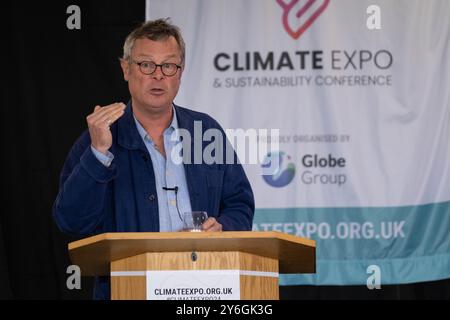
(172, 127)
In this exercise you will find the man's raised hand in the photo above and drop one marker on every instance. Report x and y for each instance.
(99, 122)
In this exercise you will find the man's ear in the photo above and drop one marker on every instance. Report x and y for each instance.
(125, 68)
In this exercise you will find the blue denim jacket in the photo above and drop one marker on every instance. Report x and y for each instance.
(94, 199)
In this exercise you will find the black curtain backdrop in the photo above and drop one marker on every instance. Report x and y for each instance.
(54, 78)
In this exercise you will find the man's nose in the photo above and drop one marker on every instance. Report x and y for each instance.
(157, 74)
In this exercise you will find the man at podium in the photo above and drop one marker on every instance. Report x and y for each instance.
(124, 173)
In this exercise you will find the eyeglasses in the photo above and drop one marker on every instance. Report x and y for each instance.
(149, 67)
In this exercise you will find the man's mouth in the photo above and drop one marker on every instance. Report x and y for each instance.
(157, 91)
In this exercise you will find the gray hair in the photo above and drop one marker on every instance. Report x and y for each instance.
(155, 30)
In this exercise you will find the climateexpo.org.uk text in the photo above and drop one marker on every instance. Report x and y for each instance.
(339, 230)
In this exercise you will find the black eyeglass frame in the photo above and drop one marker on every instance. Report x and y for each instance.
(156, 66)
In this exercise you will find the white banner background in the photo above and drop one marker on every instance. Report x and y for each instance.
(393, 135)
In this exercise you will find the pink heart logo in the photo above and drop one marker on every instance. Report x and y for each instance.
(307, 12)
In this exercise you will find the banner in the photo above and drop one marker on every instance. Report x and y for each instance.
(360, 94)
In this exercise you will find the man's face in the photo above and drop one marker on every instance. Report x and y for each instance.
(154, 92)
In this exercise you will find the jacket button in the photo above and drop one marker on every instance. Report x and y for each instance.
(151, 197)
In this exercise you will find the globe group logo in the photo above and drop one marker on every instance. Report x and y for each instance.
(299, 15)
(285, 171)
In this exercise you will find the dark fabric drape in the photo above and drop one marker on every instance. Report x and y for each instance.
(54, 78)
(5, 288)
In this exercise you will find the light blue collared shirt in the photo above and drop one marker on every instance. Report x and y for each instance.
(167, 174)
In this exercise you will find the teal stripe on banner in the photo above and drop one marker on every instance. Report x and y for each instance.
(408, 244)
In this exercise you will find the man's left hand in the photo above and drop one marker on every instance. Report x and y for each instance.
(211, 224)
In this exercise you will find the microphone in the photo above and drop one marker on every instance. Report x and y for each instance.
(171, 189)
(176, 198)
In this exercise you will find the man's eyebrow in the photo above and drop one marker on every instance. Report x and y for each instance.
(143, 55)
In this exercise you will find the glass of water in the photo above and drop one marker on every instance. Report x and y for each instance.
(193, 220)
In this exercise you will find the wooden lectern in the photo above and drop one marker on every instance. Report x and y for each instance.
(135, 260)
